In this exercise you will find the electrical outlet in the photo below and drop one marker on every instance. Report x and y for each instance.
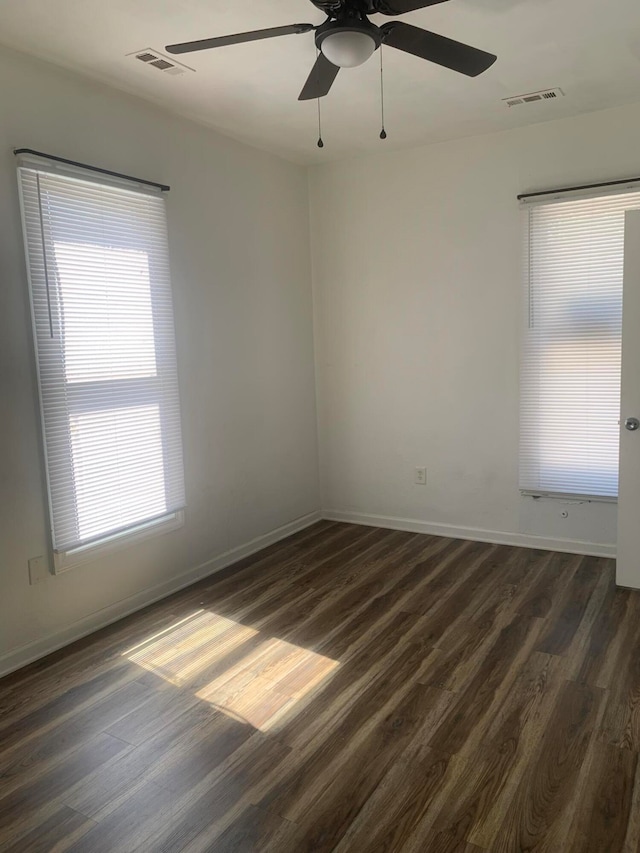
(38, 569)
(420, 477)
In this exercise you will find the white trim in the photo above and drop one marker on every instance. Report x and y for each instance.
(26, 654)
(477, 534)
(65, 560)
(570, 496)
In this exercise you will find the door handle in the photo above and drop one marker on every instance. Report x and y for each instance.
(632, 424)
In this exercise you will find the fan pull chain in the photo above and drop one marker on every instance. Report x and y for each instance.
(320, 142)
(383, 132)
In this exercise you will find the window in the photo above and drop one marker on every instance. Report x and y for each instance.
(570, 384)
(103, 326)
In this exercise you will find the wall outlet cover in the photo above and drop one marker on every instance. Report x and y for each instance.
(38, 569)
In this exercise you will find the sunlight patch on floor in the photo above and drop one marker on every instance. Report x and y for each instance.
(182, 651)
(227, 664)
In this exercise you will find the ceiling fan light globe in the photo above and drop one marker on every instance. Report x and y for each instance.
(348, 49)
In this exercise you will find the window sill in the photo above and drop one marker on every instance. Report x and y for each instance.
(65, 560)
(567, 496)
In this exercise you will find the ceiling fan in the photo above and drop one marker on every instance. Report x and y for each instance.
(348, 38)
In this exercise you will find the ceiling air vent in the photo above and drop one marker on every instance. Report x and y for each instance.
(158, 60)
(531, 97)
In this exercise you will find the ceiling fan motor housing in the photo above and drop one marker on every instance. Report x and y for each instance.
(348, 25)
(335, 8)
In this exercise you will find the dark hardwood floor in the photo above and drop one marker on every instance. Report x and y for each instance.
(348, 689)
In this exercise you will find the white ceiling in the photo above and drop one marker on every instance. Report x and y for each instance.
(589, 48)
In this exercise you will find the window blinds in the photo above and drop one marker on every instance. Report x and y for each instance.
(570, 379)
(103, 324)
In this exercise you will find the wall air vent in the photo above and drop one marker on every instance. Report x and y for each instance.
(155, 59)
(531, 97)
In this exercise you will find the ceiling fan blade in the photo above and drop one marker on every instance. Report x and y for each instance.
(435, 48)
(400, 7)
(320, 80)
(238, 38)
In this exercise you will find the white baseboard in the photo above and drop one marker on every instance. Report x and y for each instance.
(523, 540)
(26, 654)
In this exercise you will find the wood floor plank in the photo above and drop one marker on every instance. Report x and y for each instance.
(483, 794)
(231, 596)
(401, 587)
(400, 802)
(323, 822)
(347, 689)
(287, 581)
(254, 830)
(86, 706)
(596, 662)
(536, 819)
(460, 599)
(237, 593)
(549, 585)
(20, 808)
(334, 699)
(523, 565)
(313, 596)
(464, 647)
(129, 827)
(157, 760)
(141, 723)
(632, 836)
(218, 803)
(83, 661)
(48, 748)
(268, 564)
(562, 627)
(22, 722)
(57, 833)
(621, 723)
(459, 564)
(187, 801)
(604, 801)
(489, 685)
(323, 760)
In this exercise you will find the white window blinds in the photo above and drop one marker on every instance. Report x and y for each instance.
(103, 320)
(570, 380)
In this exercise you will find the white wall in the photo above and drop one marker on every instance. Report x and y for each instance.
(239, 242)
(417, 299)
